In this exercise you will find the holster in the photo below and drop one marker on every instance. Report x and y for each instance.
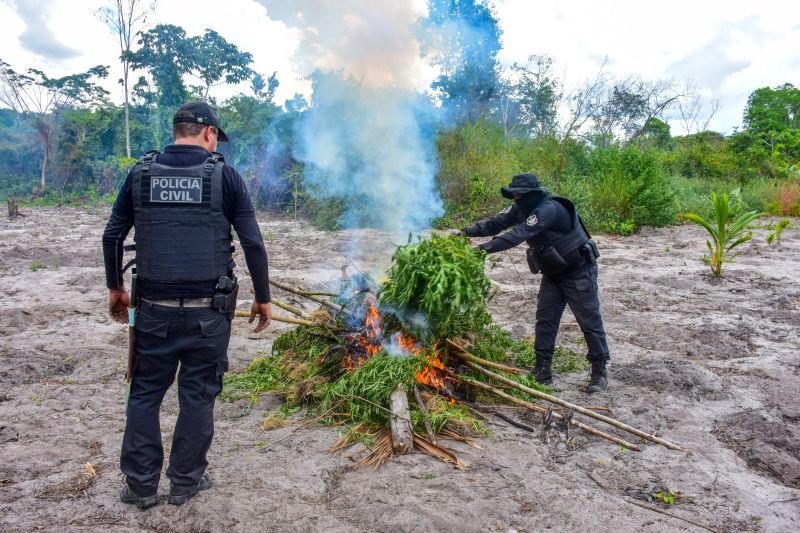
(226, 302)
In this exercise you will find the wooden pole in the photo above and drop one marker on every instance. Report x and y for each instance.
(568, 405)
(425, 417)
(321, 301)
(540, 409)
(286, 307)
(279, 318)
(465, 355)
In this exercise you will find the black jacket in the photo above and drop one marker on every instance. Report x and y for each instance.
(548, 220)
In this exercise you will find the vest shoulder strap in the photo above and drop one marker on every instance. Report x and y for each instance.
(147, 159)
(216, 159)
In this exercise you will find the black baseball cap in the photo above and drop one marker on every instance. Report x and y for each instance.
(203, 114)
(522, 184)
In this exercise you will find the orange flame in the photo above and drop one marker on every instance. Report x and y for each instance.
(369, 343)
(369, 340)
(433, 375)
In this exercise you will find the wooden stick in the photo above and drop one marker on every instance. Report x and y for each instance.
(568, 405)
(287, 288)
(279, 318)
(425, 417)
(671, 515)
(286, 307)
(475, 359)
(540, 409)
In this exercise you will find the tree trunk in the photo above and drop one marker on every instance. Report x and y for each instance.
(127, 113)
(44, 166)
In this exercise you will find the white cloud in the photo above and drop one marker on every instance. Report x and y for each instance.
(729, 49)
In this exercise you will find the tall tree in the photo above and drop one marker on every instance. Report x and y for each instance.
(530, 98)
(629, 106)
(214, 60)
(41, 99)
(125, 18)
(772, 117)
(166, 55)
(463, 39)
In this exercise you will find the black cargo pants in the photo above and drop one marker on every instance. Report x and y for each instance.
(577, 288)
(166, 337)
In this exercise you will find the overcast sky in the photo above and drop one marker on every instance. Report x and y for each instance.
(727, 48)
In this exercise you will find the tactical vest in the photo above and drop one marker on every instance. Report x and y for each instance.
(182, 234)
(560, 251)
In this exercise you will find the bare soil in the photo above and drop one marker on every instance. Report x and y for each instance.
(711, 364)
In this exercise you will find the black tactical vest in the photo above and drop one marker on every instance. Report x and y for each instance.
(556, 252)
(182, 234)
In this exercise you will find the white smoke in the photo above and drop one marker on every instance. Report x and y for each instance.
(368, 138)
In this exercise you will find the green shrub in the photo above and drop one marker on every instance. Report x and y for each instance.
(628, 189)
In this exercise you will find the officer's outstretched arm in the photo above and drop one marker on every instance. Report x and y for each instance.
(519, 234)
(493, 225)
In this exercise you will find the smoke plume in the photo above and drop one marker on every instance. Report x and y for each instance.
(368, 136)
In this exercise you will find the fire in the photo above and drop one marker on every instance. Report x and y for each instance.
(369, 341)
(434, 374)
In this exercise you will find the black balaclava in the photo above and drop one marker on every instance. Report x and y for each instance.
(529, 201)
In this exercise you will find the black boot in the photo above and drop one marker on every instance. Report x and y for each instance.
(543, 371)
(180, 494)
(599, 381)
(129, 495)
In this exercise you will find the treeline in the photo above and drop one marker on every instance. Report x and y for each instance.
(606, 144)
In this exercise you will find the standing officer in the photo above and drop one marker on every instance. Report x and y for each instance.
(562, 250)
(182, 202)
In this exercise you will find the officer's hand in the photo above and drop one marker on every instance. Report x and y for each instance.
(118, 302)
(264, 312)
(456, 232)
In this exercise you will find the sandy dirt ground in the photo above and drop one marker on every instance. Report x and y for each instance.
(713, 365)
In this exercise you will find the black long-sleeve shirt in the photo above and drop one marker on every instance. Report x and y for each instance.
(548, 216)
(236, 205)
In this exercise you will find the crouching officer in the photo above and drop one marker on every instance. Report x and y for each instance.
(182, 203)
(560, 248)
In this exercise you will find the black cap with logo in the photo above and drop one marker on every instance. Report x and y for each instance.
(203, 114)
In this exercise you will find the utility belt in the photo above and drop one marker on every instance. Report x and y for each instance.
(224, 299)
(549, 262)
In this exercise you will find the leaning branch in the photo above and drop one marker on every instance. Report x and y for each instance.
(305, 294)
(568, 405)
(539, 409)
(279, 318)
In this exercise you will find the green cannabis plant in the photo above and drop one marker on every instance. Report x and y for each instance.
(727, 231)
(437, 287)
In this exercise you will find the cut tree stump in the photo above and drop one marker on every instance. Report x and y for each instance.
(402, 434)
(13, 208)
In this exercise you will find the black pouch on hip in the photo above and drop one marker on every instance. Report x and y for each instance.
(533, 262)
(551, 262)
(591, 246)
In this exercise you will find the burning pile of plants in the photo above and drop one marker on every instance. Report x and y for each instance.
(408, 363)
